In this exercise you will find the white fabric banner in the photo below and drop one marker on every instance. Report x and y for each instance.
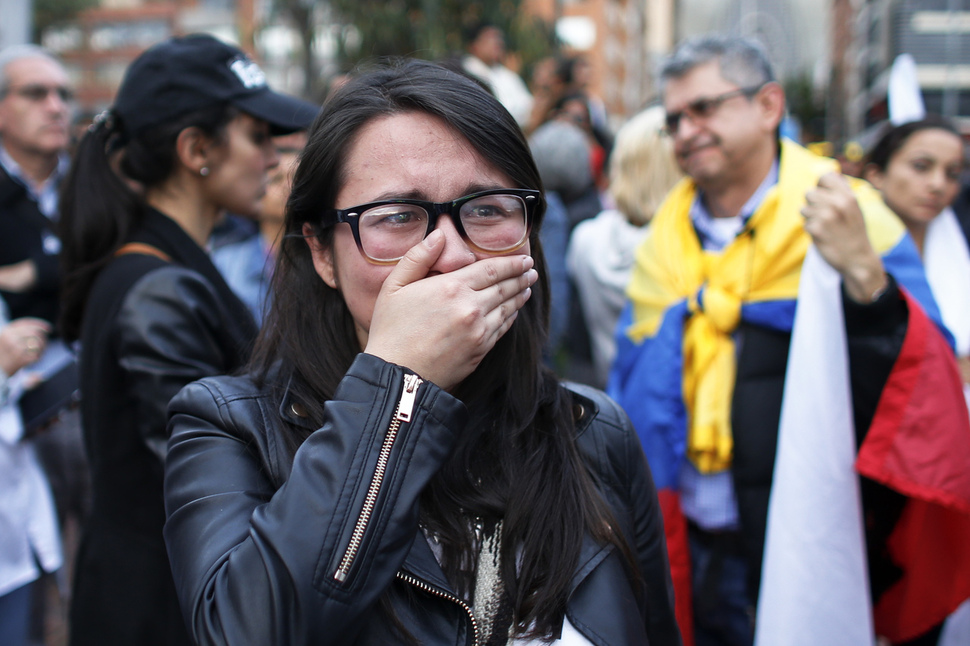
(904, 93)
(814, 586)
(947, 261)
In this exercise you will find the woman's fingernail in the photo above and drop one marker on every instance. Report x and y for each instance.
(432, 238)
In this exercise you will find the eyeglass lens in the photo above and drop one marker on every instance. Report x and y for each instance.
(38, 93)
(491, 223)
(700, 109)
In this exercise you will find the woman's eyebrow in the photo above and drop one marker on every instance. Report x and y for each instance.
(418, 194)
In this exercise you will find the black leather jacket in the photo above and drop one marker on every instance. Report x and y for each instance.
(150, 327)
(263, 545)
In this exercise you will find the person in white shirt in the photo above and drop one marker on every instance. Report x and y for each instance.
(29, 536)
(486, 52)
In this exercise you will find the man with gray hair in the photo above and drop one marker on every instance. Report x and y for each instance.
(35, 119)
(703, 363)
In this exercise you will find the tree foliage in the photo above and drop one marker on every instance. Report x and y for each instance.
(433, 29)
(806, 106)
(50, 12)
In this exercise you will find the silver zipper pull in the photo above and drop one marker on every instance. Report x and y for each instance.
(406, 404)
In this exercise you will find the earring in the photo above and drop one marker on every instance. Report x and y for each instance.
(204, 171)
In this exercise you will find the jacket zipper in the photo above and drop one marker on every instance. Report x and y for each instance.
(402, 413)
(407, 578)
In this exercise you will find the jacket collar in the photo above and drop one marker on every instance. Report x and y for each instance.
(421, 563)
(164, 233)
(293, 412)
(585, 411)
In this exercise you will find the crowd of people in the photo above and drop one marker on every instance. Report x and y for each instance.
(450, 359)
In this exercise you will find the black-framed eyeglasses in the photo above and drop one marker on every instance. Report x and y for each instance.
(493, 221)
(705, 108)
(37, 92)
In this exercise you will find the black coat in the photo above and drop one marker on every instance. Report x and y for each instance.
(875, 335)
(150, 327)
(257, 536)
(27, 234)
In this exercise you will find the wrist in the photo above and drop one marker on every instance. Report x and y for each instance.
(865, 284)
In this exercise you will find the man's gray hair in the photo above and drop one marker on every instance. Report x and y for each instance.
(742, 61)
(14, 53)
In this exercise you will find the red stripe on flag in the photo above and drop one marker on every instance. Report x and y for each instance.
(919, 445)
(678, 552)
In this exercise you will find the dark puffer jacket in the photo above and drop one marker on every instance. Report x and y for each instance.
(263, 545)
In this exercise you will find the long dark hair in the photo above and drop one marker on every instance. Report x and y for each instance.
(98, 209)
(518, 460)
(895, 137)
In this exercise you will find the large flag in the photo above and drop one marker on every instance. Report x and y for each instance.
(814, 583)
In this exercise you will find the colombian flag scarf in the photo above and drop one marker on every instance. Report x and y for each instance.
(677, 289)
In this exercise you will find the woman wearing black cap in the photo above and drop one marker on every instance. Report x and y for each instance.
(191, 129)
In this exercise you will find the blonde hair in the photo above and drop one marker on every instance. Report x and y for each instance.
(642, 166)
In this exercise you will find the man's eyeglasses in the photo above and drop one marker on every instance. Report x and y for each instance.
(37, 93)
(704, 108)
(495, 221)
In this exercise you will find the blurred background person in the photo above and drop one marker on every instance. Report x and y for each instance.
(917, 167)
(192, 124)
(35, 116)
(576, 74)
(484, 59)
(564, 152)
(575, 108)
(36, 110)
(561, 152)
(29, 538)
(547, 87)
(601, 250)
(247, 264)
(711, 357)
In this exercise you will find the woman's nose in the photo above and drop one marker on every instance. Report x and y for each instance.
(456, 253)
(938, 180)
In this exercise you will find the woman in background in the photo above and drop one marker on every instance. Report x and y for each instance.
(917, 167)
(191, 128)
(601, 250)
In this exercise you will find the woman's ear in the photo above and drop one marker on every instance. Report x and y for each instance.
(874, 176)
(194, 150)
(322, 257)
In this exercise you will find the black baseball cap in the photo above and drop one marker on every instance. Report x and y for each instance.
(188, 73)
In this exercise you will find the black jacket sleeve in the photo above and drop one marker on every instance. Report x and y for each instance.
(169, 332)
(875, 337)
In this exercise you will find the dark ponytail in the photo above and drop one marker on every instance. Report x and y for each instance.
(99, 209)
